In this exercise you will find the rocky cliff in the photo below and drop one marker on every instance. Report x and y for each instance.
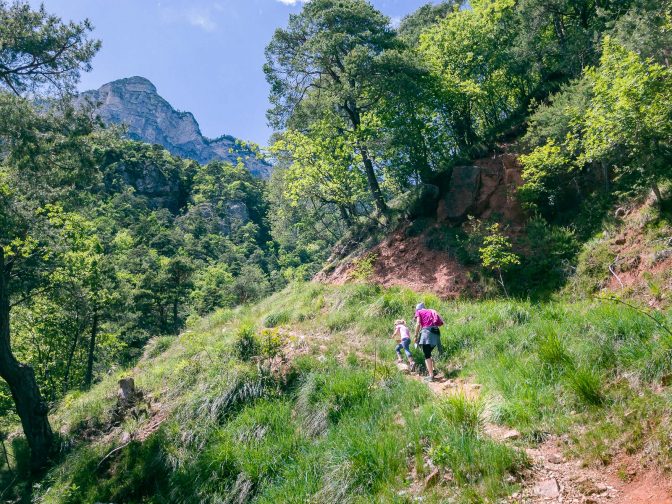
(135, 103)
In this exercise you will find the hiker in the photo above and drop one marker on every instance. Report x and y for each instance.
(427, 335)
(403, 337)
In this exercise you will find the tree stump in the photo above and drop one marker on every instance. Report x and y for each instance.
(126, 390)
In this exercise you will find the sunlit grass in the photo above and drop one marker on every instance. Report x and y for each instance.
(341, 425)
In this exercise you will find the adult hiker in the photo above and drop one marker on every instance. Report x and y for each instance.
(427, 335)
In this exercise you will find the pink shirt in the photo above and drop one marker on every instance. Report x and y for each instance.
(429, 318)
(404, 332)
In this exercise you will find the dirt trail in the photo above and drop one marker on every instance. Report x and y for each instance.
(551, 478)
(554, 479)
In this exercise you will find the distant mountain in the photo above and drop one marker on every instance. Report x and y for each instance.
(148, 117)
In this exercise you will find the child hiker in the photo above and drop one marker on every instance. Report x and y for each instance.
(403, 336)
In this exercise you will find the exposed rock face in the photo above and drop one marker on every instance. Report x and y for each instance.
(465, 183)
(486, 188)
(135, 103)
(162, 188)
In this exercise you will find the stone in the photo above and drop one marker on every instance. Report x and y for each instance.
(587, 487)
(126, 391)
(511, 435)
(620, 240)
(483, 190)
(432, 479)
(135, 103)
(661, 256)
(556, 459)
(461, 198)
(403, 368)
(548, 489)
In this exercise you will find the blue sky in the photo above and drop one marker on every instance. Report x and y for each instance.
(204, 56)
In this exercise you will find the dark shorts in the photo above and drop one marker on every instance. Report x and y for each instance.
(427, 350)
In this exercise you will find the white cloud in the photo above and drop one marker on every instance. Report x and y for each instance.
(201, 17)
(201, 20)
(293, 2)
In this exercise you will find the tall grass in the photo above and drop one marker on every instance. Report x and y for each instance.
(331, 428)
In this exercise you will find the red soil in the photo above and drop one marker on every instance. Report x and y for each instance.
(406, 262)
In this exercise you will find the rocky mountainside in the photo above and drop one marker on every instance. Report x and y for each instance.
(135, 103)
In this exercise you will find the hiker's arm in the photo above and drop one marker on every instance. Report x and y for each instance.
(395, 334)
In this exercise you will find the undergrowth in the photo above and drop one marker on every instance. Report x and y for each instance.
(331, 420)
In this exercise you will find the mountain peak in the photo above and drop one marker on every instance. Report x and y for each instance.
(135, 103)
(136, 83)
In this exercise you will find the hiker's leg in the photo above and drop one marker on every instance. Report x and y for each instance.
(398, 350)
(427, 351)
(430, 366)
(407, 350)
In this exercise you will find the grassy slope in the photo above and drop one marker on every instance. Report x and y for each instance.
(331, 427)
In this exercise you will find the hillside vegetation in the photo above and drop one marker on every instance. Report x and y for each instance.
(296, 399)
(512, 156)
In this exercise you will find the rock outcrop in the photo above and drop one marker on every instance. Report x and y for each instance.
(136, 104)
(486, 188)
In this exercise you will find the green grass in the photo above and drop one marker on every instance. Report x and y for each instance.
(340, 424)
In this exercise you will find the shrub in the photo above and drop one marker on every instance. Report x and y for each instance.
(587, 385)
(418, 227)
(246, 345)
(592, 271)
(462, 414)
(550, 349)
(276, 319)
(270, 343)
(364, 268)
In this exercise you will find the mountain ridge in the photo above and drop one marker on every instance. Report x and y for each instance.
(135, 103)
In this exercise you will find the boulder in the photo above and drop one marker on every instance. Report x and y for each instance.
(548, 489)
(465, 183)
(127, 393)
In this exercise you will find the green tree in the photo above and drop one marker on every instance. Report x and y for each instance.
(37, 51)
(629, 122)
(322, 167)
(327, 61)
(412, 26)
(40, 52)
(213, 289)
(497, 255)
(484, 88)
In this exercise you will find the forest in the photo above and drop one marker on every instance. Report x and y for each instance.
(107, 243)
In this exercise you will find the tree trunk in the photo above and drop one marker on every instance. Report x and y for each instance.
(607, 180)
(88, 378)
(176, 325)
(656, 191)
(30, 407)
(501, 281)
(68, 365)
(345, 215)
(373, 181)
(354, 114)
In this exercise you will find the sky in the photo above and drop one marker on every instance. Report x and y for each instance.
(204, 56)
